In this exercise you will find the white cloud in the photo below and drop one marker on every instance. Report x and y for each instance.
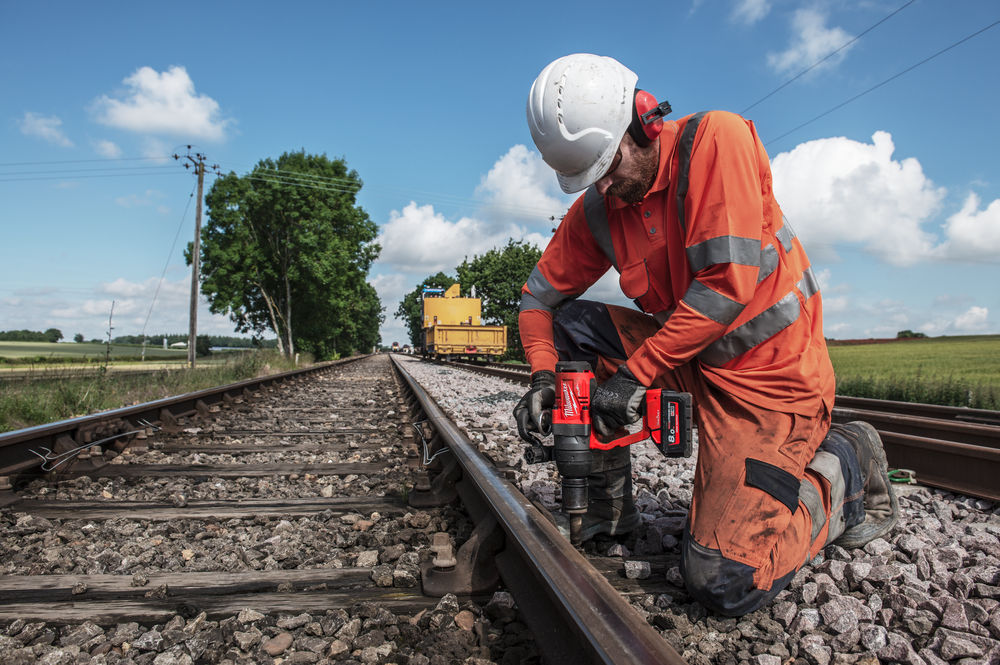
(811, 41)
(163, 103)
(973, 320)
(750, 11)
(107, 149)
(85, 309)
(972, 234)
(837, 190)
(45, 127)
(522, 186)
(420, 240)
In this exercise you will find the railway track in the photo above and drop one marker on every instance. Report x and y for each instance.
(952, 448)
(284, 557)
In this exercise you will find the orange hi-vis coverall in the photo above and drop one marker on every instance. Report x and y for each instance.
(732, 315)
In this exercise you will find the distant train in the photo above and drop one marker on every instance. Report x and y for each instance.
(452, 327)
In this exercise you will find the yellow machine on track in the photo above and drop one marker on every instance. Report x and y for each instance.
(453, 327)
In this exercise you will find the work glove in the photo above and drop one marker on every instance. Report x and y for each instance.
(534, 412)
(616, 403)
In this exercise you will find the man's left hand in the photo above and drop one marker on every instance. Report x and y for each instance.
(617, 402)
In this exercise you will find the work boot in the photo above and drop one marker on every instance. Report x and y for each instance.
(610, 508)
(881, 508)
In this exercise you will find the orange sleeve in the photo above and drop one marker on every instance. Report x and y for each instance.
(570, 264)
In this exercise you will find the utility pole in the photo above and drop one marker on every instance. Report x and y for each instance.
(197, 160)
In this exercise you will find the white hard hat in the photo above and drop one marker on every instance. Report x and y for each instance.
(579, 108)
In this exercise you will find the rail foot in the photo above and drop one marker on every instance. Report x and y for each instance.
(440, 491)
(474, 571)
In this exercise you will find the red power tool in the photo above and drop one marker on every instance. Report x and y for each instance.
(666, 420)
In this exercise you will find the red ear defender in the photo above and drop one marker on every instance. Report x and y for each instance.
(647, 118)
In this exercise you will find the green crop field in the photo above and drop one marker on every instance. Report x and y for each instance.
(22, 352)
(955, 371)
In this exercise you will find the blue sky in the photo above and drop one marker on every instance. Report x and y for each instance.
(896, 195)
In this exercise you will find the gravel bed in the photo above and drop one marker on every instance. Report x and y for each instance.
(928, 594)
(392, 546)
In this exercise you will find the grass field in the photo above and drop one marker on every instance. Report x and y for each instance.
(25, 352)
(27, 403)
(955, 371)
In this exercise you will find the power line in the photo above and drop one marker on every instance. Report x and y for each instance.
(83, 161)
(101, 170)
(81, 177)
(879, 85)
(826, 57)
(165, 265)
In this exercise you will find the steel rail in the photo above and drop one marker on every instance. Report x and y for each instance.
(575, 614)
(947, 452)
(60, 438)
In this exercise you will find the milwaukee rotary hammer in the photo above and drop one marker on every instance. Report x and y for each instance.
(666, 420)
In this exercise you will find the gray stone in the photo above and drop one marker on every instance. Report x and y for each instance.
(448, 604)
(784, 612)
(291, 623)
(873, 637)
(766, 659)
(81, 634)
(172, 658)
(954, 647)
(249, 616)
(149, 641)
(367, 559)
(247, 640)
(637, 570)
(840, 615)
(857, 572)
(815, 649)
(953, 616)
(404, 578)
(806, 621)
(349, 631)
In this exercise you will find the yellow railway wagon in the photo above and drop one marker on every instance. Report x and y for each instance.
(452, 326)
(452, 340)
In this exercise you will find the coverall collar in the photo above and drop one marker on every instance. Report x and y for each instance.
(668, 141)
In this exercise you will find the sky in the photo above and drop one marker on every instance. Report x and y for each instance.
(883, 154)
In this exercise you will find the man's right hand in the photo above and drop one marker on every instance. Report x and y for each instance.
(534, 412)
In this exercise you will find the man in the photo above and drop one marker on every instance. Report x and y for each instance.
(731, 313)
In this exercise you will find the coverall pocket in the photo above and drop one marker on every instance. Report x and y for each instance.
(757, 513)
(634, 281)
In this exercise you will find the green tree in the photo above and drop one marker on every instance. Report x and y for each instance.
(78, 338)
(53, 335)
(202, 346)
(410, 310)
(288, 249)
(498, 276)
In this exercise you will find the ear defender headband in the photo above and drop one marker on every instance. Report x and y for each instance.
(647, 118)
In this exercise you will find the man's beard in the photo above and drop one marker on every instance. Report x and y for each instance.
(633, 190)
(629, 191)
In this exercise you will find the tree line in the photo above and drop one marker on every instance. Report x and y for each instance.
(497, 277)
(212, 340)
(51, 335)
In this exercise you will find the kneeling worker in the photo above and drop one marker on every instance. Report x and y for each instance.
(731, 313)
